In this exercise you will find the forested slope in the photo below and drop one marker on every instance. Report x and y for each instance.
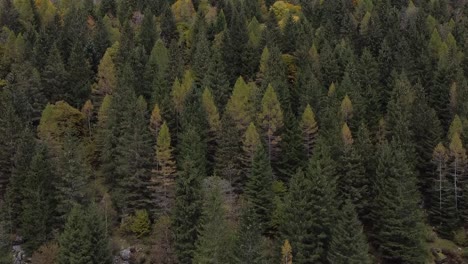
(233, 131)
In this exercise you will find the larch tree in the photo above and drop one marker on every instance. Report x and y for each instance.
(346, 109)
(164, 176)
(309, 129)
(271, 122)
(250, 143)
(106, 75)
(156, 121)
(240, 106)
(457, 170)
(442, 210)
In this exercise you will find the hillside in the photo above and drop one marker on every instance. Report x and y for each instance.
(233, 131)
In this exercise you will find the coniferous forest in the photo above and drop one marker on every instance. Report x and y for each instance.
(233, 131)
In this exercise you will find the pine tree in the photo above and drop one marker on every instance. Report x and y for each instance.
(168, 26)
(79, 77)
(348, 243)
(55, 76)
(164, 178)
(148, 35)
(247, 246)
(216, 79)
(75, 241)
(101, 249)
(276, 76)
(188, 194)
(201, 55)
(271, 121)
(213, 243)
(398, 226)
(352, 180)
(258, 189)
(310, 209)
(10, 128)
(73, 177)
(214, 123)
(292, 147)
(228, 153)
(38, 200)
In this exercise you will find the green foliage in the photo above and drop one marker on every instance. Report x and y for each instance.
(348, 243)
(140, 223)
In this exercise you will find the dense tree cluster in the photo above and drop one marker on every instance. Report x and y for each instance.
(233, 131)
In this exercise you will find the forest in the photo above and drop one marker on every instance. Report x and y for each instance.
(233, 131)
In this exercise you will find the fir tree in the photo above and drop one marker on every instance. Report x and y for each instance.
(147, 36)
(247, 246)
(75, 241)
(54, 76)
(213, 243)
(38, 201)
(258, 189)
(216, 79)
(398, 226)
(348, 243)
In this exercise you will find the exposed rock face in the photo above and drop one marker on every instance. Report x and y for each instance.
(19, 256)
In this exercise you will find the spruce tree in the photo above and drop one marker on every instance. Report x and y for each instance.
(187, 210)
(216, 79)
(398, 227)
(348, 243)
(213, 245)
(310, 209)
(258, 189)
(75, 241)
(79, 77)
(147, 35)
(38, 200)
(352, 180)
(55, 76)
(247, 246)
(73, 174)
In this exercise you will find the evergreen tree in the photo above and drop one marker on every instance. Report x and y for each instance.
(213, 243)
(276, 76)
(38, 201)
(54, 77)
(258, 189)
(398, 226)
(348, 243)
(75, 241)
(216, 79)
(73, 175)
(247, 246)
(147, 36)
(352, 180)
(79, 78)
(310, 209)
(168, 26)
(188, 196)
(101, 250)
